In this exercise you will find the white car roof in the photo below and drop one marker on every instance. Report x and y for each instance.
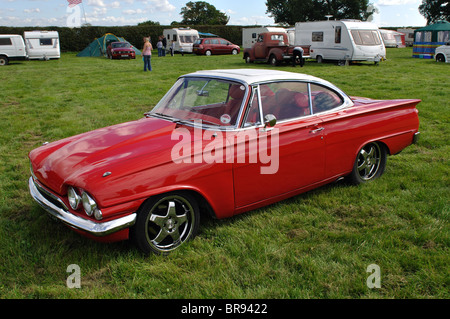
(251, 76)
(255, 76)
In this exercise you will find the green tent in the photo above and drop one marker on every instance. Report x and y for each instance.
(98, 46)
(428, 38)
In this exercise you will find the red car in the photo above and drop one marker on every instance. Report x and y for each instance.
(209, 46)
(221, 143)
(120, 50)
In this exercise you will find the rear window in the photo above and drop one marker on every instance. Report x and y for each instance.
(5, 41)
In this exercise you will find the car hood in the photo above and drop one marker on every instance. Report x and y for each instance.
(121, 149)
(121, 49)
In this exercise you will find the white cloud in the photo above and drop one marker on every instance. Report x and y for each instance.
(132, 12)
(96, 3)
(35, 10)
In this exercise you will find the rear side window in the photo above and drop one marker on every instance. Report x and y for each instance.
(5, 41)
(323, 99)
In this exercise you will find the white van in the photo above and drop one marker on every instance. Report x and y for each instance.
(250, 35)
(43, 45)
(183, 38)
(12, 48)
(341, 40)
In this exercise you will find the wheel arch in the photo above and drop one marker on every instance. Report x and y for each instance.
(202, 201)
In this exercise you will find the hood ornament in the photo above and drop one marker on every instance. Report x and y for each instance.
(106, 174)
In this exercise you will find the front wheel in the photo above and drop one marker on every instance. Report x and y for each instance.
(208, 53)
(369, 164)
(165, 222)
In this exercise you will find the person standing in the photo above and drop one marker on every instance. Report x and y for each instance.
(164, 45)
(147, 54)
(159, 45)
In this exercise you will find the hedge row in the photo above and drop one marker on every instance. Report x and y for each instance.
(76, 39)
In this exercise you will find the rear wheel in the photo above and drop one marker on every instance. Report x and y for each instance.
(319, 59)
(273, 60)
(369, 164)
(3, 60)
(165, 222)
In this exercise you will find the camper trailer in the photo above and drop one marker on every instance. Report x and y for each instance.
(250, 35)
(393, 39)
(341, 40)
(409, 36)
(43, 45)
(183, 38)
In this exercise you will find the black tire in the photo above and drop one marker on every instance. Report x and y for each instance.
(319, 59)
(273, 60)
(440, 58)
(234, 52)
(4, 60)
(247, 58)
(369, 163)
(165, 222)
(208, 53)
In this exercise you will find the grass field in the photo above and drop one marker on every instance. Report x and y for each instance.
(316, 245)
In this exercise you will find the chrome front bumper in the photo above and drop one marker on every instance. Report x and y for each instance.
(89, 226)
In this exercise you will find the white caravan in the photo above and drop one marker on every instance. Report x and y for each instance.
(341, 40)
(12, 48)
(183, 38)
(392, 39)
(43, 45)
(250, 35)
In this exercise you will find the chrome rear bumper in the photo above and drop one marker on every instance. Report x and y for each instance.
(89, 226)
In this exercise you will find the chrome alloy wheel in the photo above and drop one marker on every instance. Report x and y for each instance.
(369, 164)
(166, 222)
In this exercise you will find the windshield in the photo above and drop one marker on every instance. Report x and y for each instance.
(366, 37)
(120, 45)
(215, 102)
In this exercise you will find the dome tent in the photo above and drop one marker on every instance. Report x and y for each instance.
(428, 38)
(99, 45)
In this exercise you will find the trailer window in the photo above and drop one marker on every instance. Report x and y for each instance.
(5, 41)
(45, 41)
(317, 37)
(366, 37)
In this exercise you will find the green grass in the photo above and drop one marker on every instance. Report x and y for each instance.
(316, 245)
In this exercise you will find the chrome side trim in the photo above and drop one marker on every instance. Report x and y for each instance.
(94, 228)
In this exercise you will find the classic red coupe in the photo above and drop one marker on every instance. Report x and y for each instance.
(219, 142)
(120, 50)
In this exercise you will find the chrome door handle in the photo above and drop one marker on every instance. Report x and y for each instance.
(317, 130)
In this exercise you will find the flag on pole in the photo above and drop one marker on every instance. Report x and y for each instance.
(73, 3)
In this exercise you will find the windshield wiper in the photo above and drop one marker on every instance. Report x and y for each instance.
(162, 115)
(195, 119)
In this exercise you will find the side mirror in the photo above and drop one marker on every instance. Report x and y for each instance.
(270, 120)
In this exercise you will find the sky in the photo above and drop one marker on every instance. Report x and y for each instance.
(395, 13)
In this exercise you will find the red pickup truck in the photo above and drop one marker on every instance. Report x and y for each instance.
(273, 47)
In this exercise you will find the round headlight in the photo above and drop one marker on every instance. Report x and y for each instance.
(74, 198)
(89, 204)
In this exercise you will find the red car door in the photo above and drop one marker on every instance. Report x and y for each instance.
(281, 159)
